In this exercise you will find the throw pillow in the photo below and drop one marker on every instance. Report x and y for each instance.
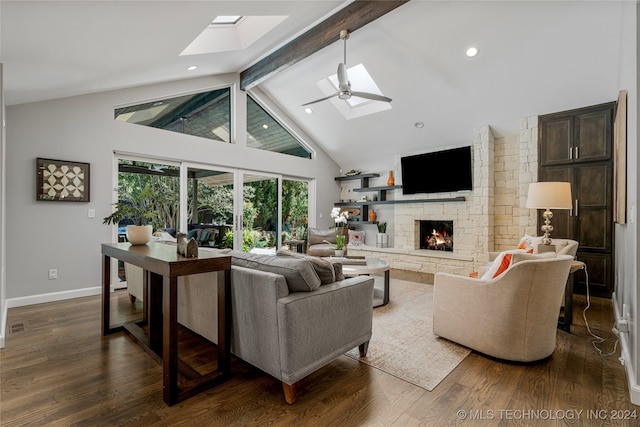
(323, 268)
(299, 274)
(337, 269)
(500, 264)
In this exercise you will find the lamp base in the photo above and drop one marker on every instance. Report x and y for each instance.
(547, 227)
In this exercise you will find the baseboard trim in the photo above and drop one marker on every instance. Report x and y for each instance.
(52, 297)
(626, 360)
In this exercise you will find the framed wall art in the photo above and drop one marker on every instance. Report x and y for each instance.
(620, 160)
(62, 180)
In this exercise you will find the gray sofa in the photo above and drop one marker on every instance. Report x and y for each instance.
(290, 316)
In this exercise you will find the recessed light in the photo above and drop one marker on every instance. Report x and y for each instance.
(308, 110)
(419, 125)
(471, 52)
(193, 67)
(265, 126)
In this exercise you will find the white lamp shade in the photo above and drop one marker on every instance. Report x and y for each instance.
(549, 195)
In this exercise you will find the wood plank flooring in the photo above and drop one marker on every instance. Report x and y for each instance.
(57, 369)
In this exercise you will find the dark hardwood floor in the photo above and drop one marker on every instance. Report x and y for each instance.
(57, 369)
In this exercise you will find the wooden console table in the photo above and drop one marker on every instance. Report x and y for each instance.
(162, 266)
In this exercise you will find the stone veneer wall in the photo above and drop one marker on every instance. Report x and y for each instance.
(492, 217)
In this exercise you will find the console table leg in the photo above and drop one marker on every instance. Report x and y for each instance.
(170, 340)
(224, 322)
(106, 294)
(386, 288)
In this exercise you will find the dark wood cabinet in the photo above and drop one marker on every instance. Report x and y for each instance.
(576, 146)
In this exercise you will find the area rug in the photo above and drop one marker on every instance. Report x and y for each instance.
(403, 343)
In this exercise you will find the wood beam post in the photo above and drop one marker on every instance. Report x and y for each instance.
(353, 16)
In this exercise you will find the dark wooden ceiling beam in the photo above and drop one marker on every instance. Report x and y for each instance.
(355, 15)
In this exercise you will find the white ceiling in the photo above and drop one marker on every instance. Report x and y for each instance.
(535, 58)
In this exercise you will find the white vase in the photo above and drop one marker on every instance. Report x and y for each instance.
(382, 240)
(139, 234)
(339, 252)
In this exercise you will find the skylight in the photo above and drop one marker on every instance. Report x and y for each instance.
(227, 33)
(226, 20)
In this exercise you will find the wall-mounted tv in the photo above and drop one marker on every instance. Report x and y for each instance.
(437, 172)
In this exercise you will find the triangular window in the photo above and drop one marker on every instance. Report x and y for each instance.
(266, 133)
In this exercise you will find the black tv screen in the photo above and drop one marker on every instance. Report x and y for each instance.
(437, 172)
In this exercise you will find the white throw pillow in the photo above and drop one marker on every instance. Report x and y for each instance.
(495, 267)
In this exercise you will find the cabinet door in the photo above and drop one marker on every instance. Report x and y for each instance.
(600, 274)
(592, 137)
(556, 139)
(594, 216)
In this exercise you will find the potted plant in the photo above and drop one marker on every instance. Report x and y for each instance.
(340, 219)
(138, 208)
(382, 239)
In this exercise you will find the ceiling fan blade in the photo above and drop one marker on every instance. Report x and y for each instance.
(321, 99)
(343, 78)
(372, 96)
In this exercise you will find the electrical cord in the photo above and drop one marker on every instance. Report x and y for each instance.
(598, 338)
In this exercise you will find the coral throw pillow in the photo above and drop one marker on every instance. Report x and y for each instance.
(506, 262)
(500, 264)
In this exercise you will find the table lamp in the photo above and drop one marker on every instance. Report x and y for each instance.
(549, 195)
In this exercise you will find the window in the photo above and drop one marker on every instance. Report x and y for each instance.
(206, 114)
(265, 133)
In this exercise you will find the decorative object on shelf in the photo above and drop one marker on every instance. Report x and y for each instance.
(391, 182)
(548, 195)
(356, 237)
(352, 172)
(351, 212)
(62, 180)
(372, 215)
(187, 247)
(382, 239)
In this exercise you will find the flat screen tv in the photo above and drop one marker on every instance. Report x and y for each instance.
(437, 172)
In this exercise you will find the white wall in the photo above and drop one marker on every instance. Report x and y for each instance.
(44, 235)
(627, 265)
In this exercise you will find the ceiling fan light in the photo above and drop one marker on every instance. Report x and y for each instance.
(344, 95)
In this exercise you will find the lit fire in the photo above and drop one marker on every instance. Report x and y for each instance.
(439, 240)
(439, 237)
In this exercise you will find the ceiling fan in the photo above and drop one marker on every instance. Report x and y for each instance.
(344, 86)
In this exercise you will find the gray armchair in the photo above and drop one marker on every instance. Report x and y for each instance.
(317, 241)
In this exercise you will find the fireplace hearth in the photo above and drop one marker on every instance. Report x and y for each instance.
(436, 235)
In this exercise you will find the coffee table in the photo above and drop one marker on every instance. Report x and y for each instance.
(373, 266)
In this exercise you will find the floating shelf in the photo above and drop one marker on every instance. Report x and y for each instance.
(395, 202)
(382, 197)
(387, 187)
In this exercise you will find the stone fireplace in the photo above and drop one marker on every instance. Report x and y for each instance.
(435, 235)
(490, 218)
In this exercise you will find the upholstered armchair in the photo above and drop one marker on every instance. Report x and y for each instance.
(317, 241)
(513, 316)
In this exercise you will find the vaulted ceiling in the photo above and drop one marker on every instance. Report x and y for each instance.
(535, 57)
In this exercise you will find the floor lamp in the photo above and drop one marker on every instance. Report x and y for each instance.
(549, 195)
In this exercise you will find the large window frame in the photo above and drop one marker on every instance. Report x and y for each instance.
(184, 167)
